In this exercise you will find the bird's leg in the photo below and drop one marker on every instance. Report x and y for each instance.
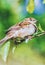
(28, 38)
(18, 41)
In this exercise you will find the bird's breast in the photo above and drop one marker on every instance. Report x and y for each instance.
(28, 30)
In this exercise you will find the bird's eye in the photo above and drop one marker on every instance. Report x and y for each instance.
(30, 19)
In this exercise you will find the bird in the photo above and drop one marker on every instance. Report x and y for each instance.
(24, 29)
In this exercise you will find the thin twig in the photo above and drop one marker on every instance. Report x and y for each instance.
(31, 37)
(38, 35)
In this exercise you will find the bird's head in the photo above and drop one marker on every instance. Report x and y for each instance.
(32, 20)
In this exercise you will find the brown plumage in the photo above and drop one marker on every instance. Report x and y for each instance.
(25, 28)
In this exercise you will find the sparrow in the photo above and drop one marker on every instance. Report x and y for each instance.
(24, 29)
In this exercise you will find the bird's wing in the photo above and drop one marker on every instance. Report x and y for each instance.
(19, 25)
(14, 27)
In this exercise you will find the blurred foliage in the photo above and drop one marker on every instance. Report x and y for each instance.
(44, 1)
(30, 7)
(14, 11)
(4, 51)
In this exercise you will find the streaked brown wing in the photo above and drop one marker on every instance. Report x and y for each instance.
(22, 24)
(13, 28)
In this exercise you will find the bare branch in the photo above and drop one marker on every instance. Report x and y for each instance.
(39, 34)
(31, 37)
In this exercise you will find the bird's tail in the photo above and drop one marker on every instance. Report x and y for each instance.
(3, 40)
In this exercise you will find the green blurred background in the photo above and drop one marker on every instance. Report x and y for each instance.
(14, 11)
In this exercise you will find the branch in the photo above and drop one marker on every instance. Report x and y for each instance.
(31, 37)
(39, 34)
